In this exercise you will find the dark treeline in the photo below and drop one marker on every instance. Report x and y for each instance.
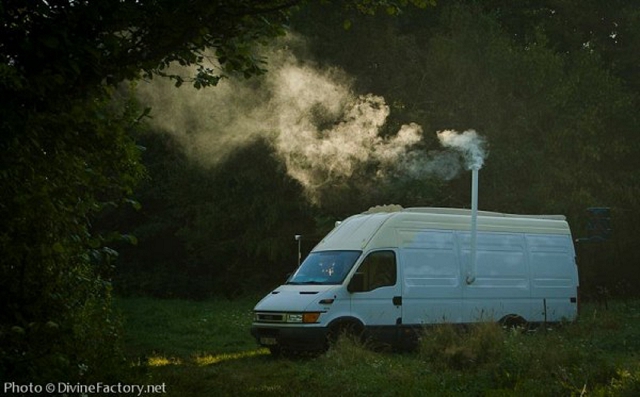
(552, 85)
(203, 232)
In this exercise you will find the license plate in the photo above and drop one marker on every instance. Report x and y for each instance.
(268, 341)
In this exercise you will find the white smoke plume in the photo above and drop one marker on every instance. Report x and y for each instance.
(469, 143)
(321, 130)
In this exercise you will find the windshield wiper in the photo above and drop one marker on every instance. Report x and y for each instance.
(305, 282)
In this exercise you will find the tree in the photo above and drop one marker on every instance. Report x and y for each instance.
(68, 152)
(212, 231)
(59, 170)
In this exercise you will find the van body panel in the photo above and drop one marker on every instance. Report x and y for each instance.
(525, 268)
(376, 307)
(354, 233)
(294, 298)
(432, 289)
(502, 283)
(375, 304)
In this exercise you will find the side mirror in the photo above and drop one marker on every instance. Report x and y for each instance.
(357, 283)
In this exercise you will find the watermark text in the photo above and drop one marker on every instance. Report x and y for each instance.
(78, 388)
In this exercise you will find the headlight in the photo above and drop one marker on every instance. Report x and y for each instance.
(311, 317)
(294, 318)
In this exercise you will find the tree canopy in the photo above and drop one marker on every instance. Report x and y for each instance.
(69, 153)
(556, 108)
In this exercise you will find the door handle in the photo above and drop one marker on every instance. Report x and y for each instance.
(397, 300)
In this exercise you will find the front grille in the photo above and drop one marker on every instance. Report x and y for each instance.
(271, 317)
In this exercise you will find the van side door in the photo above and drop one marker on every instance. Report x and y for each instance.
(375, 291)
(431, 269)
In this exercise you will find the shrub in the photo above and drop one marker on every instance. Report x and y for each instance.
(448, 346)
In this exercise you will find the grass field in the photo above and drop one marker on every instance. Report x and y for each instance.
(204, 348)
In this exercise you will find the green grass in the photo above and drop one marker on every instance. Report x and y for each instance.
(204, 348)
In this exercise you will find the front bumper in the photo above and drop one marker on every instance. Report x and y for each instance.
(290, 337)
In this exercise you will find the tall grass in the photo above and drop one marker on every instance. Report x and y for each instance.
(204, 348)
(448, 347)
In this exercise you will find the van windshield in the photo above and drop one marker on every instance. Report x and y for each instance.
(325, 267)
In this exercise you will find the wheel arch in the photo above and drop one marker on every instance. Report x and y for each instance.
(512, 320)
(344, 324)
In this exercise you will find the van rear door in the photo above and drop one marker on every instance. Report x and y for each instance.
(554, 277)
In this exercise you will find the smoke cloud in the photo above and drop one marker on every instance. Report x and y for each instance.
(469, 143)
(323, 132)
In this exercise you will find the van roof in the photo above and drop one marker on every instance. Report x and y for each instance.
(465, 211)
(378, 228)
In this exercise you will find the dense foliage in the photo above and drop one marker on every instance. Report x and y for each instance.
(69, 155)
(550, 84)
(203, 231)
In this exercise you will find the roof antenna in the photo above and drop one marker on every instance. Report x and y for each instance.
(298, 238)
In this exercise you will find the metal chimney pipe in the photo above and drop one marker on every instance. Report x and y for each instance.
(471, 274)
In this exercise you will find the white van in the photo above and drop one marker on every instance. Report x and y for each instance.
(388, 274)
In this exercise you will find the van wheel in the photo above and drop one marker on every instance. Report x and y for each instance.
(512, 321)
(349, 328)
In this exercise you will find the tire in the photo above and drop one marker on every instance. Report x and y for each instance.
(349, 328)
(512, 321)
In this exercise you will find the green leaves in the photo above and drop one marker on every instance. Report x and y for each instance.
(64, 166)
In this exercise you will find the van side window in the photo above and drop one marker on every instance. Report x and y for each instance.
(378, 270)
